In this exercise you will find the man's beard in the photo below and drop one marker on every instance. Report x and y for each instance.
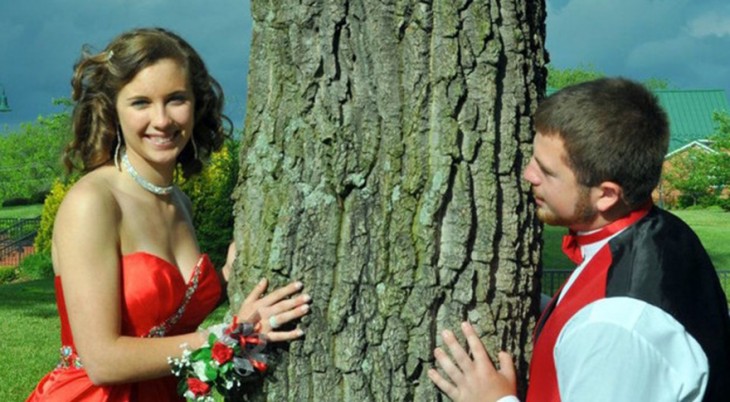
(584, 212)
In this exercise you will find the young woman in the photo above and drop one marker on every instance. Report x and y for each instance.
(131, 284)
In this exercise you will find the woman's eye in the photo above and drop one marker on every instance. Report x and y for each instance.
(178, 100)
(139, 103)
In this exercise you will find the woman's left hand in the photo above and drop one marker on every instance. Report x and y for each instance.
(277, 308)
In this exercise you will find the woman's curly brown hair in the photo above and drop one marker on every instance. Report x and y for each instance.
(98, 78)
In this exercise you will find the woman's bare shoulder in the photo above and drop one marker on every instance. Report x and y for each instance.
(93, 196)
(86, 227)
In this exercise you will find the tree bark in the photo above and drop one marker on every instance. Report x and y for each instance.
(381, 165)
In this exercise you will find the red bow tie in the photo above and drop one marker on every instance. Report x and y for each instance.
(573, 241)
(571, 248)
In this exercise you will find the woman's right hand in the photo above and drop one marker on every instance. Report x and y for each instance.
(275, 309)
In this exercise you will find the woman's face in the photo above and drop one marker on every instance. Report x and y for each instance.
(156, 115)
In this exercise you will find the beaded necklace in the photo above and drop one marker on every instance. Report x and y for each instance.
(153, 188)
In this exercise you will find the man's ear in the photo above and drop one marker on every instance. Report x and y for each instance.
(607, 195)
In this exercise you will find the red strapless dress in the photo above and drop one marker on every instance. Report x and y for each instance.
(156, 301)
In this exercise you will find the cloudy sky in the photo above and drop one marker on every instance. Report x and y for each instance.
(40, 40)
(686, 42)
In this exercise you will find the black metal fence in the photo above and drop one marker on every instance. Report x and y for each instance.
(16, 238)
(553, 278)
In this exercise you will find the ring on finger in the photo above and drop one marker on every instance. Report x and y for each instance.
(273, 323)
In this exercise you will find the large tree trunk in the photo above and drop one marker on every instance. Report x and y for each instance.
(381, 165)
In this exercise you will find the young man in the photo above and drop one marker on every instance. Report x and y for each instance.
(643, 316)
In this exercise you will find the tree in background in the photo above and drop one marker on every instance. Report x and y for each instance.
(721, 165)
(559, 78)
(562, 77)
(30, 159)
(701, 177)
(381, 164)
(656, 83)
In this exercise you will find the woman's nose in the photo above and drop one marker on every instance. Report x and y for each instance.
(161, 118)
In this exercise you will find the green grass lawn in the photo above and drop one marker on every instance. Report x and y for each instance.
(29, 334)
(21, 211)
(712, 225)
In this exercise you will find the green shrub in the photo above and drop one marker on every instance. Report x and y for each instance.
(53, 200)
(37, 266)
(39, 197)
(210, 193)
(724, 203)
(7, 274)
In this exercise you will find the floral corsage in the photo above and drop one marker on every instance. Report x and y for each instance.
(231, 356)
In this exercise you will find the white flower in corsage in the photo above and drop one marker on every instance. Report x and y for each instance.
(231, 356)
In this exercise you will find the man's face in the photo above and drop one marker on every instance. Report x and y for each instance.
(560, 199)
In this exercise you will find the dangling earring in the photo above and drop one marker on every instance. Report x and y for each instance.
(195, 148)
(119, 146)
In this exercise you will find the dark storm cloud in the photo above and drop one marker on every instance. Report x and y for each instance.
(41, 39)
(681, 41)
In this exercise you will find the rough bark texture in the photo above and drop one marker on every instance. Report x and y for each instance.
(381, 164)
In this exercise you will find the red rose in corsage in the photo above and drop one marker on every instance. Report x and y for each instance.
(232, 355)
(222, 352)
(198, 388)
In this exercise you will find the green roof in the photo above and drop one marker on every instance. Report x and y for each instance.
(690, 113)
